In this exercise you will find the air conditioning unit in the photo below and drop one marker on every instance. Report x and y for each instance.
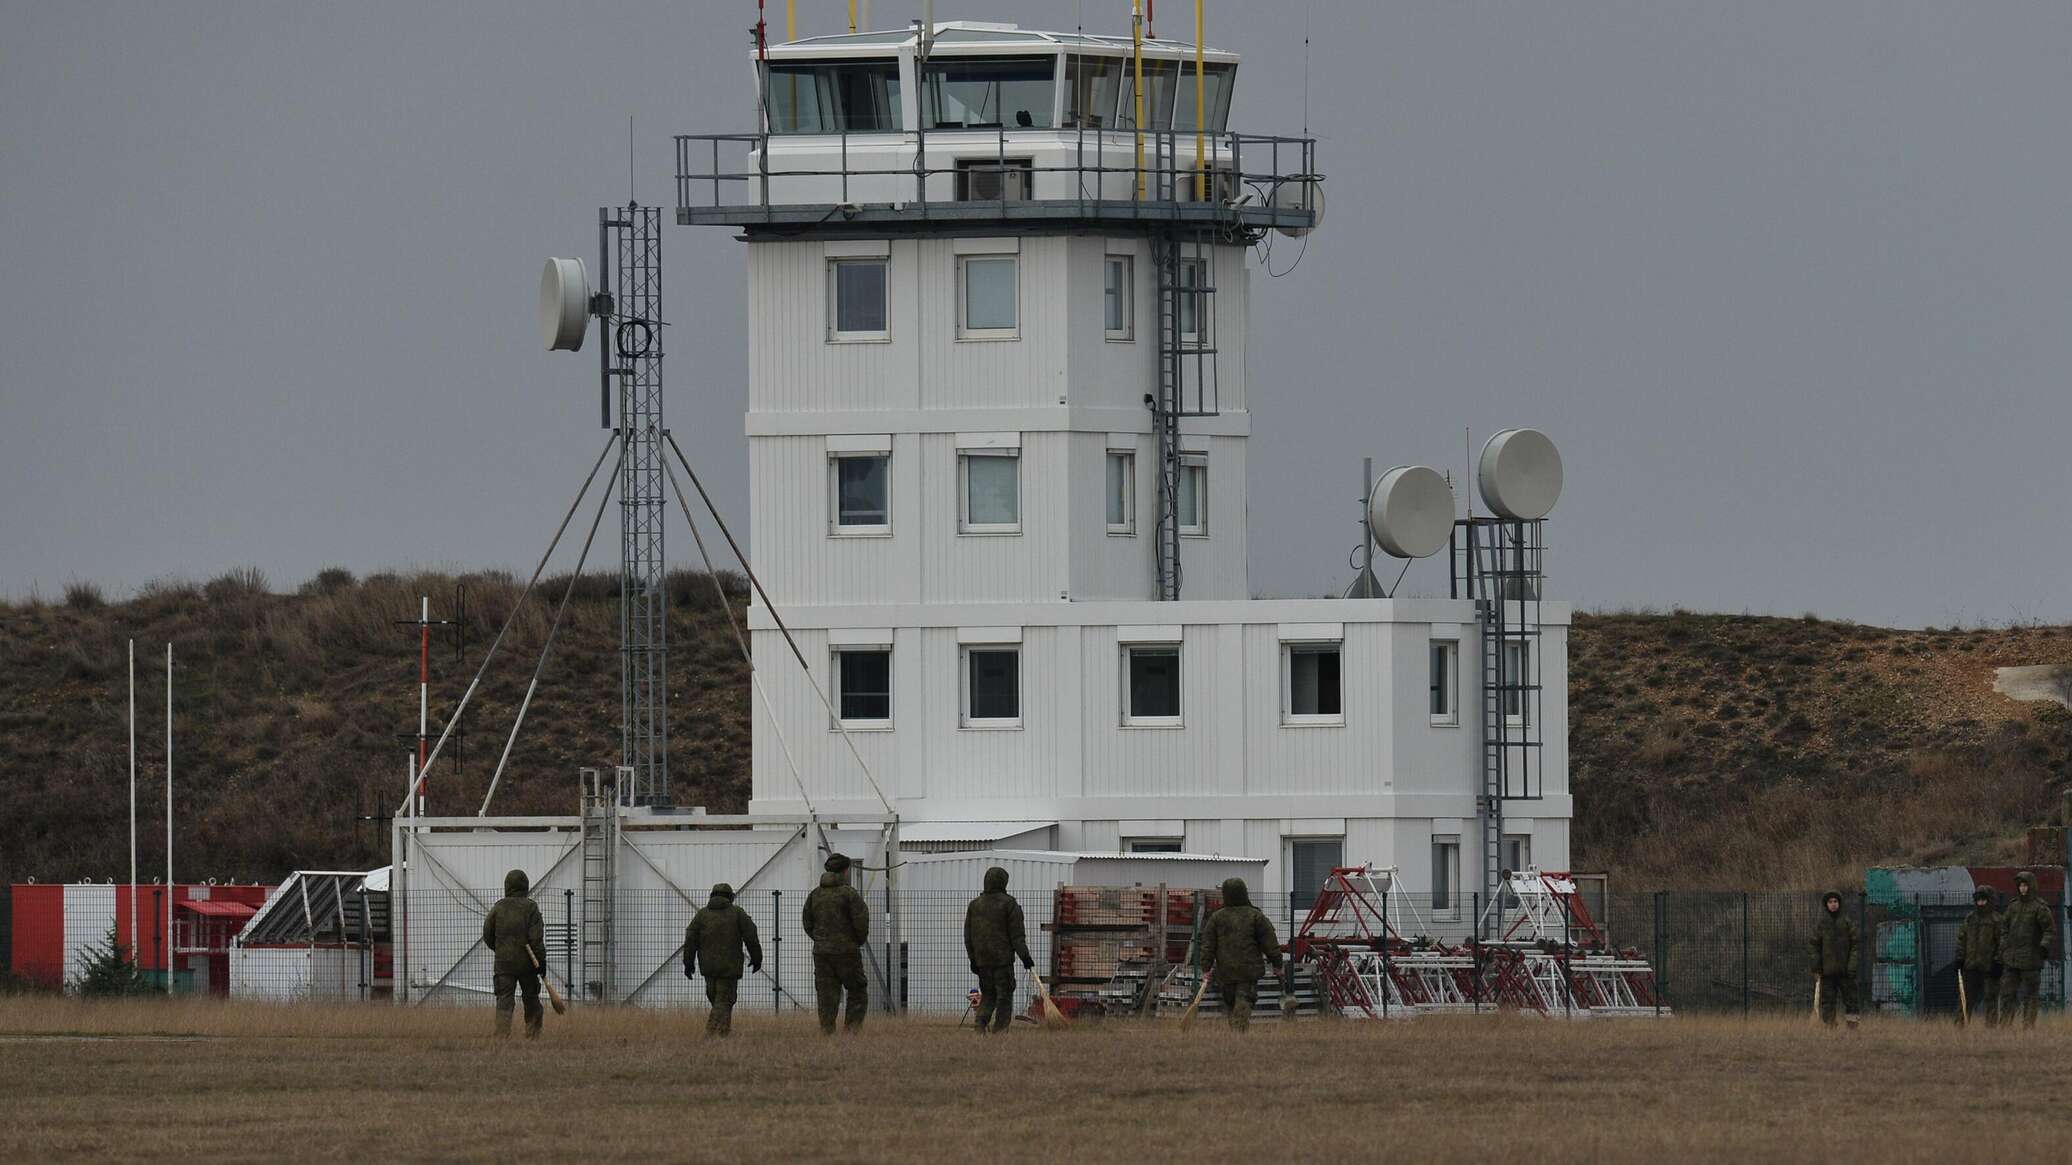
(992, 180)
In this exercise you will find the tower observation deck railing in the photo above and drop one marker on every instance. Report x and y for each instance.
(903, 179)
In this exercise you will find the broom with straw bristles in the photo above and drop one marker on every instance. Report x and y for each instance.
(553, 996)
(1053, 1017)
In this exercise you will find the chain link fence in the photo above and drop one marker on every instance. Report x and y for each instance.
(1713, 952)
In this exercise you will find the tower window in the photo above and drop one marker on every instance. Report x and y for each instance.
(856, 291)
(989, 92)
(987, 295)
(992, 491)
(1191, 502)
(1310, 863)
(1445, 705)
(1517, 663)
(1446, 874)
(1194, 304)
(992, 687)
(1122, 491)
(1312, 691)
(1118, 298)
(863, 686)
(1151, 679)
(862, 484)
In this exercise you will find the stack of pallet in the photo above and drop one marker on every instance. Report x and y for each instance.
(1112, 944)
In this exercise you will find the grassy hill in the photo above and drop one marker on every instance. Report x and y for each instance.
(1707, 750)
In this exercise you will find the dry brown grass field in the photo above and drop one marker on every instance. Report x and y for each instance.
(188, 1080)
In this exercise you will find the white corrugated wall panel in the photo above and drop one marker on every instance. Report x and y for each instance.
(1147, 762)
(975, 763)
(89, 920)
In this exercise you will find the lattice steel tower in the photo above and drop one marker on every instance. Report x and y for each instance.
(630, 239)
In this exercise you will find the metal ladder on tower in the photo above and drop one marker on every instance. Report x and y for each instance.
(600, 845)
(1495, 746)
(1185, 265)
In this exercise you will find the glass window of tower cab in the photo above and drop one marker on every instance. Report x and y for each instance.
(993, 77)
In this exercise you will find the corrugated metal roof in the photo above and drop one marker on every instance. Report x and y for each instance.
(217, 908)
(933, 831)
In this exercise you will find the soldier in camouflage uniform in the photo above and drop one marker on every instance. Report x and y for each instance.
(511, 927)
(1236, 945)
(839, 923)
(1834, 943)
(2028, 931)
(714, 941)
(1978, 957)
(993, 940)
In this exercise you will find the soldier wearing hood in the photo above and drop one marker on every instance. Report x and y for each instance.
(1237, 944)
(1835, 942)
(2028, 931)
(514, 929)
(993, 940)
(1978, 957)
(714, 940)
(839, 923)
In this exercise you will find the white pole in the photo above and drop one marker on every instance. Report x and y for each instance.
(132, 891)
(168, 819)
(424, 683)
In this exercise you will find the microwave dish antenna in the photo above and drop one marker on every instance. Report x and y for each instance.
(1520, 474)
(1410, 512)
(1300, 194)
(564, 304)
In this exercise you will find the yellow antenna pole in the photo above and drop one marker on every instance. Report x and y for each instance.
(852, 15)
(1137, 39)
(791, 19)
(1201, 116)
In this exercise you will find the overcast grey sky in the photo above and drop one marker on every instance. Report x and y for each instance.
(1788, 282)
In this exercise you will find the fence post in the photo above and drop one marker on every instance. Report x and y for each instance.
(1475, 950)
(1868, 976)
(1387, 982)
(1568, 976)
(777, 952)
(1287, 967)
(1744, 955)
(1920, 959)
(568, 940)
(1661, 964)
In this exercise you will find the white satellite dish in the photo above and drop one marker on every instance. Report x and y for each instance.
(1299, 194)
(1520, 474)
(1411, 511)
(564, 304)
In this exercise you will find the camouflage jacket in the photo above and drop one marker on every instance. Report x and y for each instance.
(1978, 940)
(716, 936)
(513, 924)
(1834, 944)
(993, 932)
(836, 918)
(2027, 934)
(1238, 942)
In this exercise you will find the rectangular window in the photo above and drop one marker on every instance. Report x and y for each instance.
(1445, 706)
(863, 686)
(989, 92)
(1152, 845)
(1091, 87)
(1118, 298)
(987, 296)
(1191, 506)
(1516, 677)
(858, 98)
(1151, 686)
(1516, 855)
(1311, 688)
(862, 484)
(1159, 80)
(992, 687)
(992, 491)
(856, 293)
(1194, 305)
(1311, 862)
(1215, 89)
(1446, 873)
(1122, 491)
